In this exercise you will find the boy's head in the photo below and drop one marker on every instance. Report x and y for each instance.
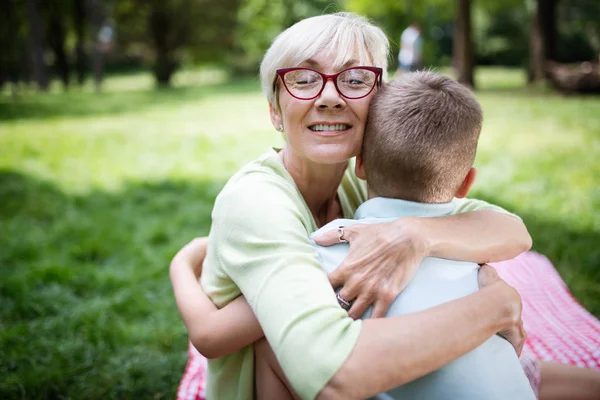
(420, 139)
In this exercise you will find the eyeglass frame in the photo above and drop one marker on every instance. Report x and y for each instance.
(326, 77)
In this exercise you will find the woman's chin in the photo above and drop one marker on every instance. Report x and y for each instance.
(332, 154)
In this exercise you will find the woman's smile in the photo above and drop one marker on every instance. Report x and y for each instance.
(329, 129)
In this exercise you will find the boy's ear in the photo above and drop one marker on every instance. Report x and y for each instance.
(359, 169)
(275, 117)
(465, 186)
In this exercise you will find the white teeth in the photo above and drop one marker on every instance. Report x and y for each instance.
(323, 127)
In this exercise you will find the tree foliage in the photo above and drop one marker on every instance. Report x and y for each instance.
(164, 34)
(260, 21)
(394, 16)
(13, 36)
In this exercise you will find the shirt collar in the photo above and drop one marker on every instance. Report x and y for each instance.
(381, 207)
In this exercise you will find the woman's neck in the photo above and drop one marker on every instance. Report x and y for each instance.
(318, 184)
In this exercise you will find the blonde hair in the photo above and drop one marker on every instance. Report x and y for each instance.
(342, 34)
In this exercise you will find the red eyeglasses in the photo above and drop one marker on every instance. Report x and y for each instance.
(352, 83)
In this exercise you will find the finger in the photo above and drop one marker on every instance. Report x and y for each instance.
(523, 340)
(336, 278)
(347, 268)
(359, 307)
(332, 237)
(327, 238)
(401, 286)
(487, 275)
(519, 342)
(350, 291)
(380, 308)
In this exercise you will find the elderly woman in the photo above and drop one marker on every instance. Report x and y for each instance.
(319, 77)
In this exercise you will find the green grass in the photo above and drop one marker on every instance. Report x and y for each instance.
(98, 191)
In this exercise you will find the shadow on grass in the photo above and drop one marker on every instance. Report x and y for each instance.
(85, 104)
(87, 309)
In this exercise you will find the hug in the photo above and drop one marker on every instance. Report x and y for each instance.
(363, 210)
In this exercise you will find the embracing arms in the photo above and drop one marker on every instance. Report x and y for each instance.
(213, 332)
(216, 332)
(421, 342)
(478, 236)
(425, 341)
(383, 257)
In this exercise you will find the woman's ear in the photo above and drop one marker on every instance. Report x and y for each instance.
(275, 118)
(465, 186)
(359, 169)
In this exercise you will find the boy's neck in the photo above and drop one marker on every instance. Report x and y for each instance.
(372, 194)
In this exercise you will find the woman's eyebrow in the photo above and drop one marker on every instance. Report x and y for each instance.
(315, 64)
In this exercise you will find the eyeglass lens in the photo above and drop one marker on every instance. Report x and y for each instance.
(352, 83)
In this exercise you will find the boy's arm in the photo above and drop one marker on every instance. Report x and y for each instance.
(213, 332)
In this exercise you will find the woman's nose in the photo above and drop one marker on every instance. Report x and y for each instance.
(330, 97)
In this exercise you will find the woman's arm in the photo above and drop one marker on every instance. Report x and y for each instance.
(425, 341)
(213, 332)
(267, 254)
(384, 257)
(478, 236)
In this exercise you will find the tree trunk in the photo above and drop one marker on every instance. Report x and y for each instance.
(547, 15)
(162, 33)
(10, 67)
(36, 44)
(96, 13)
(79, 25)
(542, 39)
(56, 39)
(463, 47)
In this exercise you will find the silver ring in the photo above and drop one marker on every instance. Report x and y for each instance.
(340, 234)
(345, 304)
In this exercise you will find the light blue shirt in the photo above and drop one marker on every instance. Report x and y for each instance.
(492, 370)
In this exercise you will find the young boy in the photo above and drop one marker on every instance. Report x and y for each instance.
(418, 151)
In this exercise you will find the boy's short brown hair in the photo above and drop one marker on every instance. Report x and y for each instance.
(421, 138)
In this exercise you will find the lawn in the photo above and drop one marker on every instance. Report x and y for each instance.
(98, 191)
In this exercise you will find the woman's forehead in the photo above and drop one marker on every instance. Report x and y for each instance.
(336, 59)
(329, 64)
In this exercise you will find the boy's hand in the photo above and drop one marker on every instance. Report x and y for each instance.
(192, 254)
(514, 332)
(383, 259)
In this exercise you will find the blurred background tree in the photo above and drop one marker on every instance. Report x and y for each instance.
(259, 21)
(45, 40)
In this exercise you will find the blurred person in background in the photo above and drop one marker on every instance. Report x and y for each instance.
(410, 57)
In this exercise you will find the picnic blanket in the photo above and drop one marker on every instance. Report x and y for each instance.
(559, 329)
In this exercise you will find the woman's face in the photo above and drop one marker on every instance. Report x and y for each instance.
(328, 129)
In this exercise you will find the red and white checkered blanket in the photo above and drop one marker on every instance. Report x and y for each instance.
(559, 329)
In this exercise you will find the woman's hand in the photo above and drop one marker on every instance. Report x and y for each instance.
(383, 259)
(514, 332)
